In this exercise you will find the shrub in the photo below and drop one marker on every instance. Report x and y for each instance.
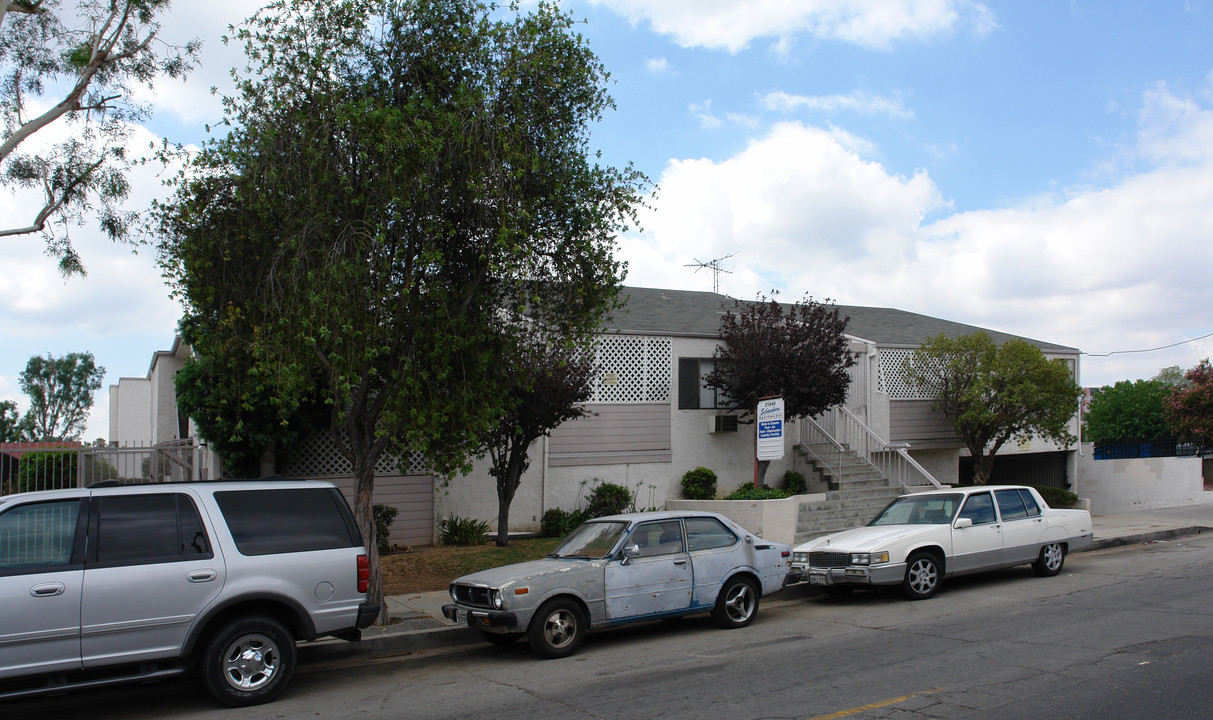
(794, 483)
(555, 523)
(608, 499)
(383, 516)
(749, 492)
(1056, 497)
(699, 484)
(463, 531)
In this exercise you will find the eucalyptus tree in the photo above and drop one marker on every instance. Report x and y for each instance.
(400, 178)
(60, 392)
(80, 67)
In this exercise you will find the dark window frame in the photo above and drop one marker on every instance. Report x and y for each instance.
(185, 519)
(691, 388)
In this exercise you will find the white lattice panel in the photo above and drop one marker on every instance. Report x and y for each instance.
(894, 376)
(319, 456)
(633, 369)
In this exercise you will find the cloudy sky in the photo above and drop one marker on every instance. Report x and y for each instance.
(1042, 168)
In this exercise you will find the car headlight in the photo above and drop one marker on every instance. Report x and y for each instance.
(800, 557)
(451, 590)
(875, 558)
(495, 598)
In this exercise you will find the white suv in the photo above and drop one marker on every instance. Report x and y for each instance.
(139, 582)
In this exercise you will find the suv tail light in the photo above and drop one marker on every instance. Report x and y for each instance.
(364, 573)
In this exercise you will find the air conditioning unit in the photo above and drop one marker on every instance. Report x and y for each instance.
(722, 423)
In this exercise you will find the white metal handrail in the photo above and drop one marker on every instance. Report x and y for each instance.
(842, 429)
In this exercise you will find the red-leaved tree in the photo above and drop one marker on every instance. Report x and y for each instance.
(1190, 407)
(796, 351)
(549, 382)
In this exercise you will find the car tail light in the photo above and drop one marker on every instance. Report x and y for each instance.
(364, 573)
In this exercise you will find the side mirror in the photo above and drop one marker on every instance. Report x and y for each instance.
(628, 553)
(962, 523)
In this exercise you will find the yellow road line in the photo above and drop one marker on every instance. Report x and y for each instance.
(873, 706)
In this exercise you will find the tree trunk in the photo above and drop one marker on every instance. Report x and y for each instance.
(267, 464)
(983, 465)
(364, 494)
(760, 479)
(507, 486)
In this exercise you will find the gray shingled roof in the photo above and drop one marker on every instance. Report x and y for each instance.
(653, 311)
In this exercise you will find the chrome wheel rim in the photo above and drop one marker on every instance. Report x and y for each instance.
(1052, 555)
(251, 662)
(739, 604)
(922, 576)
(560, 628)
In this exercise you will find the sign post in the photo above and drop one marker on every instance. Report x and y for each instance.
(768, 428)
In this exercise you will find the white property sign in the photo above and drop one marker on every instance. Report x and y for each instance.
(769, 445)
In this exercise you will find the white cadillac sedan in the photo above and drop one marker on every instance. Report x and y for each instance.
(921, 538)
(621, 569)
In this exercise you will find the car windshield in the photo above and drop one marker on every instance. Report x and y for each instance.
(591, 540)
(920, 510)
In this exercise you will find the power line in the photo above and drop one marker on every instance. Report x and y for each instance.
(1164, 347)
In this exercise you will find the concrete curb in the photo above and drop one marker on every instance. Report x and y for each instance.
(1101, 544)
(388, 643)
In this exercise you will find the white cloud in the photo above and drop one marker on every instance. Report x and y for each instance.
(659, 66)
(121, 312)
(858, 102)
(703, 111)
(733, 24)
(1103, 269)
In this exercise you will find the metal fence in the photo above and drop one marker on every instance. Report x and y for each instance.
(49, 466)
(1127, 449)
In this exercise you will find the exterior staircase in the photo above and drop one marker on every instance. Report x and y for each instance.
(855, 491)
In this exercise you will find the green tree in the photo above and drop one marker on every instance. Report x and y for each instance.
(1128, 411)
(12, 427)
(1190, 407)
(60, 391)
(112, 49)
(402, 181)
(546, 383)
(236, 406)
(798, 352)
(992, 393)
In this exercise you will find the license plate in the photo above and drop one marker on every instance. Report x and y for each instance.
(461, 616)
(818, 579)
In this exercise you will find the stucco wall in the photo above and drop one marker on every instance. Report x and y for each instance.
(768, 519)
(1115, 486)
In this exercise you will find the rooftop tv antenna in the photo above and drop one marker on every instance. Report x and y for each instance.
(714, 266)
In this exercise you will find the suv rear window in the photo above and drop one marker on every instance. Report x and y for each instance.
(267, 522)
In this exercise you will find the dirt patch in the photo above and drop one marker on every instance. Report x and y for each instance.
(433, 567)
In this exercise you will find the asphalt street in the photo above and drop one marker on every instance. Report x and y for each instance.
(1123, 632)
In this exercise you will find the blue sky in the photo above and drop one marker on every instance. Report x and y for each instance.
(1040, 168)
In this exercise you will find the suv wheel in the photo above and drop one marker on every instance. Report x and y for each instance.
(248, 662)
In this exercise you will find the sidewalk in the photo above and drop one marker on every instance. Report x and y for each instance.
(422, 627)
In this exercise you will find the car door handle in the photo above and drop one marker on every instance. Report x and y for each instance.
(47, 590)
(201, 576)
(680, 562)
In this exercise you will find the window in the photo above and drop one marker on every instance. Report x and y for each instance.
(693, 394)
(707, 533)
(657, 538)
(1030, 503)
(1010, 504)
(144, 529)
(267, 522)
(38, 537)
(979, 508)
